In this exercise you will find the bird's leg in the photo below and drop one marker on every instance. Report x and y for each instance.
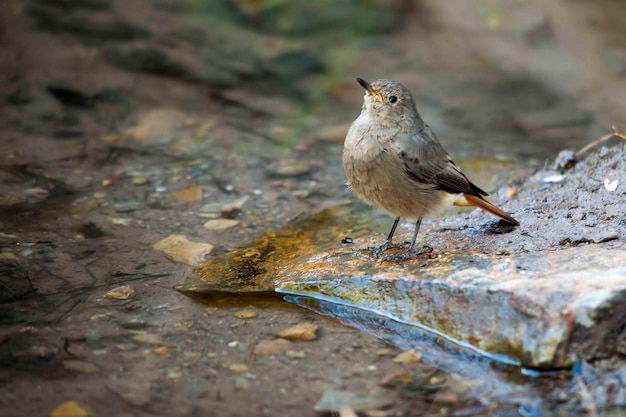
(425, 249)
(379, 250)
(418, 223)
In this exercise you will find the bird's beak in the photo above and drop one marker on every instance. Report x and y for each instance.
(370, 89)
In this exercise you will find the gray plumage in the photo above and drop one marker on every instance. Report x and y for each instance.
(393, 159)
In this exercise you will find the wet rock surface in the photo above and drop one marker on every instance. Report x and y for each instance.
(550, 292)
(127, 122)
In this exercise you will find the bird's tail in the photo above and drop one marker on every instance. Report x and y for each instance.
(472, 200)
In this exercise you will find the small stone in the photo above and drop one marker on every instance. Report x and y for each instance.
(126, 207)
(180, 249)
(224, 207)
(334, 400)
(189, 195)
(272, 347)
(437, 380)
(147, 339)
(295, 354)
(110, 138)
(511, 192)
(161, 350)
(80, 366)
(238, 367)
(220, 224)
(139, 180)
(71, 409)
(120, 293)
(396, 378)
(408, 357)
(384, 352)
(118, 221)
(241, 383)
(301, 331)
(289, 168)
(245, 314)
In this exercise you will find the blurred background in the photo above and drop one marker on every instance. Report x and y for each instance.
(123, 122)
(519, 78)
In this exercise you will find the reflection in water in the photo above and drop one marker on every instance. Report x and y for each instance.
(494, 378)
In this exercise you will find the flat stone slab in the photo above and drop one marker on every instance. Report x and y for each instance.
(541, 310)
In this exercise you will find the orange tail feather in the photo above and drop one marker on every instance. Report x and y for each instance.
(488, 207)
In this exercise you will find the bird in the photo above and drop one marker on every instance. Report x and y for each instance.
(393, 160)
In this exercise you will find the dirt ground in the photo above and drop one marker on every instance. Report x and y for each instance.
(115, 135)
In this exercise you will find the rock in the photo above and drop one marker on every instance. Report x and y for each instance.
(241, 383)
(333, 400)
(295, 354)
(238, 367)
(157, 126)
(189, 195)
(396, 378)
(286, 168)
(272, 347)
(121, 293)
(245, 314)
(147, 339)
(410, 356)
(162, 350)
(225, 208)
(220, 224)
(180, 249)
(80, 366)
(71, 409)
(301, 331)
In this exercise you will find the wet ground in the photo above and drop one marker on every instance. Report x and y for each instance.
(122, 121)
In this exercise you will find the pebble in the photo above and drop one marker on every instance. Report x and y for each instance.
(188, 195)
(241, 383)
(333, 400)
(80, 366)
(238, 367)
(396, 378)
(295, 354)
(220, 224)
(118, 221)
(180, 249)
(301, 331)
(139, 180)
(408, 357)
(126, 207)
(245, 314)
(71, 409)
(121, 293)
(224, 207)
(147, 339)
(293, 168)
(272, 347)
(161, 350)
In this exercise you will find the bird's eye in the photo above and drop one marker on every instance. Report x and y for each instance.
(393, 99)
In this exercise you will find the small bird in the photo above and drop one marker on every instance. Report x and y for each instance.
(394, 161)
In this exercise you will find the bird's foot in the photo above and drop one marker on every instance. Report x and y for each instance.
(411, 254)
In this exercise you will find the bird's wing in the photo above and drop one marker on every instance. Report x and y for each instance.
(427, 162)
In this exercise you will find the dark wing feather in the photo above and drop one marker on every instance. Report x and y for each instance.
(427, 162)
